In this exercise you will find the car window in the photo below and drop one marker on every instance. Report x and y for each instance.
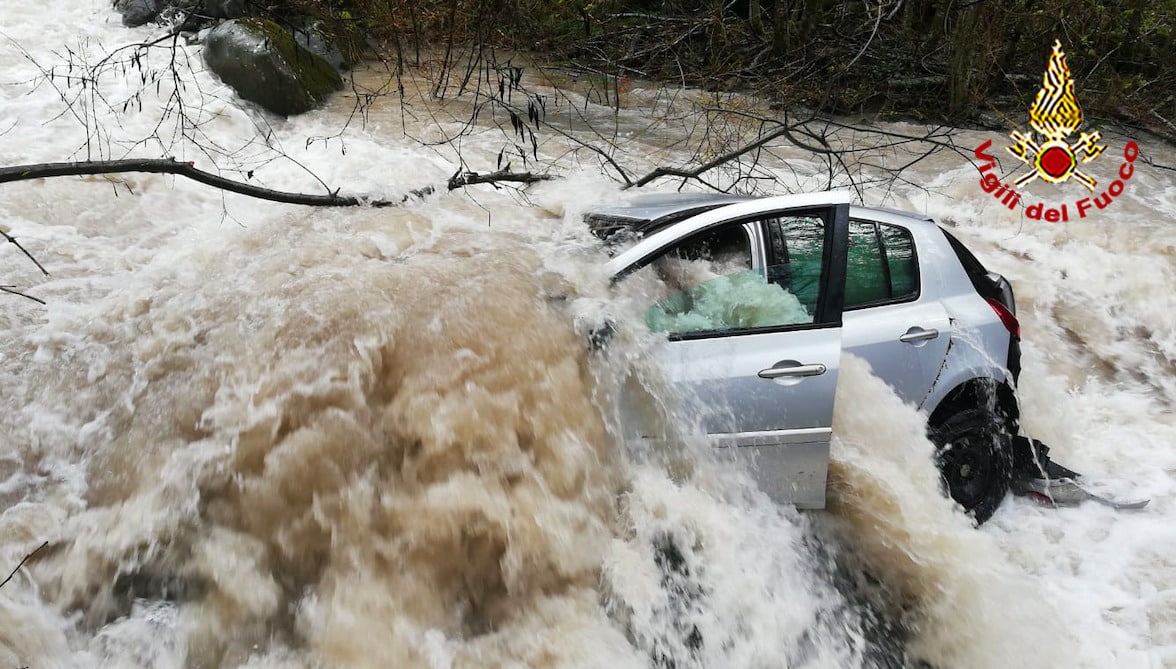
(796, 247)
(881, 267)
(713, 286)
(900, 257)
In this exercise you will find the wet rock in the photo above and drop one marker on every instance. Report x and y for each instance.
(169, 12)
(312, 39)
(187, 16)
(227, 9)
(264, 64)
(137, 12)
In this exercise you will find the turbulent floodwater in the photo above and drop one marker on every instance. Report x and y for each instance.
(264, 435)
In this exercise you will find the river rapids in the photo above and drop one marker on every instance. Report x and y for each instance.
(264, 435)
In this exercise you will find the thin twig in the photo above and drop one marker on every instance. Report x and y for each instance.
(869, 41)
(1152, 163)
(23, 560)
(11, 290)
(25, 251)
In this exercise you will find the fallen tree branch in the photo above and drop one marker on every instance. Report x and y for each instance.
(21, 564)
(460, 178)
(172, 166)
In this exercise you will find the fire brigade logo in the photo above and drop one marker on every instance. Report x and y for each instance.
(1055, 115)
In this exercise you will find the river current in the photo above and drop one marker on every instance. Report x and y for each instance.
(266, 435)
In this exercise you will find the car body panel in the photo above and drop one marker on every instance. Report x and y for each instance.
(783, 424)
(911, 367)
(767, 394)
(877, 333)
(972, 343)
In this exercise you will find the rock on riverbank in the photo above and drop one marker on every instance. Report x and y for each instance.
(265, 65)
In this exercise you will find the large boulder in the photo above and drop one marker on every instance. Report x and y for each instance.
(263, 63)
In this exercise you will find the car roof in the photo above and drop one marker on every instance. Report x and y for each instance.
(888, 215)
(743, 207)
(648, 213)
(654, 206)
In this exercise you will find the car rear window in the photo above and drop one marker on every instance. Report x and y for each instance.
(973, 266)
(977, 273)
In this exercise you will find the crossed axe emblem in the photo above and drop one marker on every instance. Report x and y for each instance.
(1055, 115)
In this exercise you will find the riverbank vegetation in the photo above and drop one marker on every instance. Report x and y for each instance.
(791, 78)
(949, 61)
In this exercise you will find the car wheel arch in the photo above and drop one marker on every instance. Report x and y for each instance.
(979, 392)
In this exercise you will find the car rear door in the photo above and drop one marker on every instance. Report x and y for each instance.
(753, 344)
(893, 317)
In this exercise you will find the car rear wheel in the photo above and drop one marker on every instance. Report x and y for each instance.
(973, 452)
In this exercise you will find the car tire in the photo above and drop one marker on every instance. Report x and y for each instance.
(973, 450)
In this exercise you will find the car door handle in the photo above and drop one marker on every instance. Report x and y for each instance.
(918, 334)
(793, 369)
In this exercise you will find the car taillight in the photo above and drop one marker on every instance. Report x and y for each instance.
(1006, 317)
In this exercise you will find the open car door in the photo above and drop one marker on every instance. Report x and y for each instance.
(749, 296)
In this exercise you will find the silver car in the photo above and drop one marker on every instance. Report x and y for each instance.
(758, 297)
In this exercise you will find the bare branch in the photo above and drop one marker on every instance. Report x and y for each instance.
(869, 41)
(1151, 163)
(23, 560)
(172, 166)
(540, 121)
(25, 251)
(460, 178)
(709, 165)
(825, 140)
(11, 290)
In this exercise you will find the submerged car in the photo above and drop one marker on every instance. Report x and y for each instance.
(758, 297)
